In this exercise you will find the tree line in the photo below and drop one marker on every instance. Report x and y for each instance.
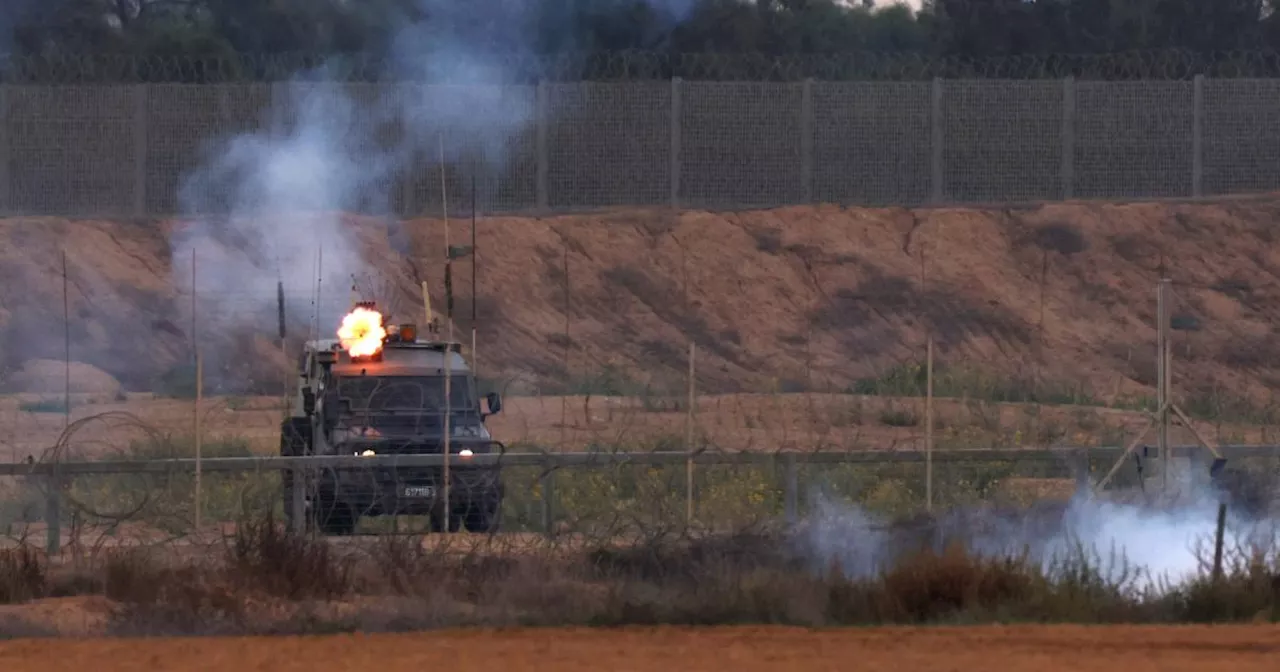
(944, 28)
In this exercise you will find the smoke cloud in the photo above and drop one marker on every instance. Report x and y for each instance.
(324, 152)
(1128, 544)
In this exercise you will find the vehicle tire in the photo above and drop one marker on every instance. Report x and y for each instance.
(334, 517)
(484, 515)
(295, 439)
(483, 520)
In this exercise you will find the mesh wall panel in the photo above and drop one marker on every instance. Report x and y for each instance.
(609, 144)
(871, 142)
(740, 144)
(123, 150)
(73, 150)
(378, 118)
(1002, 140)
(358, 123)
(186, 127)
(488, 131)
(1241, 135)
(1133, 139)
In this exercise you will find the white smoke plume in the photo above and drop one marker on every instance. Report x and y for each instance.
(321, 154)
(1137, 545)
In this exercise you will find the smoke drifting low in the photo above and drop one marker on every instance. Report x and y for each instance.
(1128, 544)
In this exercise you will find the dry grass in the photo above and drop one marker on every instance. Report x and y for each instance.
(263, 580)
(733, 422)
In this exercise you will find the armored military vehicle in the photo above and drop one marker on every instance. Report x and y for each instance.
(379, 389)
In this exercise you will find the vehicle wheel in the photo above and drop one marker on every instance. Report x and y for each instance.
(295, 438)
(483, 519)
(440, 521)
(484, 514)
(334, 517)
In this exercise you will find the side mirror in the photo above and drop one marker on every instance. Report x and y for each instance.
(308, 401)
(494, 400)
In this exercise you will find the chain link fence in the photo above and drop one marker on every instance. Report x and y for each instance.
(126, 150)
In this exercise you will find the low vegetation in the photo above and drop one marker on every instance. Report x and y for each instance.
(43, 406)
(262, 580)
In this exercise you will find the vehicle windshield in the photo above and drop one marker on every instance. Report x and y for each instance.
(406, 393)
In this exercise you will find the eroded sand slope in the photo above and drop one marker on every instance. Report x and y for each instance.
(799, 296)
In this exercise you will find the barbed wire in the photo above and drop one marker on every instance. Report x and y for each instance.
(1169, 64)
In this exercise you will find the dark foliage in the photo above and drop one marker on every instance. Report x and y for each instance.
(344, 34)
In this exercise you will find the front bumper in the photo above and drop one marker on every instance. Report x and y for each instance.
(419, 490)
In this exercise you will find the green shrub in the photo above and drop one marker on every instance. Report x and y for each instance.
(911, 380)
(44, 406)
(167, 500)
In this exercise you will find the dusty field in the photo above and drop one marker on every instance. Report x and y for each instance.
(733, 422)
(1009, 649)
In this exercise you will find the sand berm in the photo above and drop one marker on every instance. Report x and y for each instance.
(814, 296)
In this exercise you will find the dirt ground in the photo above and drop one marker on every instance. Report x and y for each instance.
(742, 649)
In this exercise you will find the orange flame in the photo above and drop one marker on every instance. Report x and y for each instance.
(361, 332)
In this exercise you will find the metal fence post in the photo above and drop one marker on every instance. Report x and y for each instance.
(791, 488)
(544, 161)
(53, 514)
(806, 140)
(548, 494)
(297, 500)
(936, 190)
(6, 195)
(1197, 137)
(1068, 138)
(675, 142)
(1081, 465)
(139, 93)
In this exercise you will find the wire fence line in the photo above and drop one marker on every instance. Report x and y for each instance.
(623, 457)
(592, 494)
(125, 150)
(635, 65)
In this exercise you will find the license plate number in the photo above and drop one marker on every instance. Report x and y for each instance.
(419, 491)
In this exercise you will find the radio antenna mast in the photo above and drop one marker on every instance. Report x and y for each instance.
(475, 260)
(446, 510)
